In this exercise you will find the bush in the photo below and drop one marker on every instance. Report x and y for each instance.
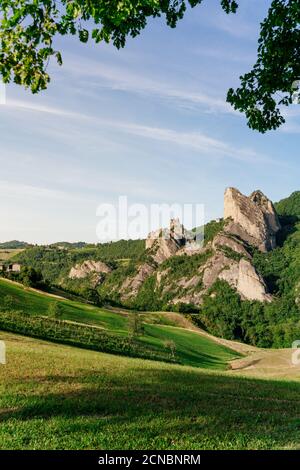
(54, 310)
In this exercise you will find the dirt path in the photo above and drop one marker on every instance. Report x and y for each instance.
(260, 363)
(268, 363)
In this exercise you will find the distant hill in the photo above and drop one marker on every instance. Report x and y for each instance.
(68, 245)
(14, 245)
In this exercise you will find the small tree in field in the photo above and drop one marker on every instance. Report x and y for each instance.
(92, 295)
(171, 347)
(135, 325)
(54, 310)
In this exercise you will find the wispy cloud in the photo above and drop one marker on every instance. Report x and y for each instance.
(24, 190)
(193, 140)
(30, 106)
(238, 25)
(196, 141)
(121, 79)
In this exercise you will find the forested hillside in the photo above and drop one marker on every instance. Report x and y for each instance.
(55, 261)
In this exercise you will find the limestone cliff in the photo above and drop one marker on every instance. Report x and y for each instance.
(164, 243)
(95, 269)
(244, 278)
(253, 218)
(131, 285)
(249, 221)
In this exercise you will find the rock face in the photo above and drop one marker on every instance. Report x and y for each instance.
(132, 285)
(253, 218)
(249, 221)
(164, 243)
(226, 240)
(244, 278)
(89, 267)
(162, 248)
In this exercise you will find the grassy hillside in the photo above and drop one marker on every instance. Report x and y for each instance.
(38, 303)
(7, 254)
(191, 348)
(58, 397)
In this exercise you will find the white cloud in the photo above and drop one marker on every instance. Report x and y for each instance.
(30, 106)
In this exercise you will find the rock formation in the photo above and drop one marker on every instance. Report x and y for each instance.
(164, 243)
(229, 241)
(95, 269)
(131, 286)
(249, 221)
(248, 283)
(253, 218)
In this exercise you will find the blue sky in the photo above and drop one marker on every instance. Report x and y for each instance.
(149, 121)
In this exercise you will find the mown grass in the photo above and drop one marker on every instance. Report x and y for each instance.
(38, 303)
(191, 348)
(59, 397)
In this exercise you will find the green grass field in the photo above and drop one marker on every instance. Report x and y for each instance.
(59, 397)
(191, 347)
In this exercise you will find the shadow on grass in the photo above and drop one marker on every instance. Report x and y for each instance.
(176, 408)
